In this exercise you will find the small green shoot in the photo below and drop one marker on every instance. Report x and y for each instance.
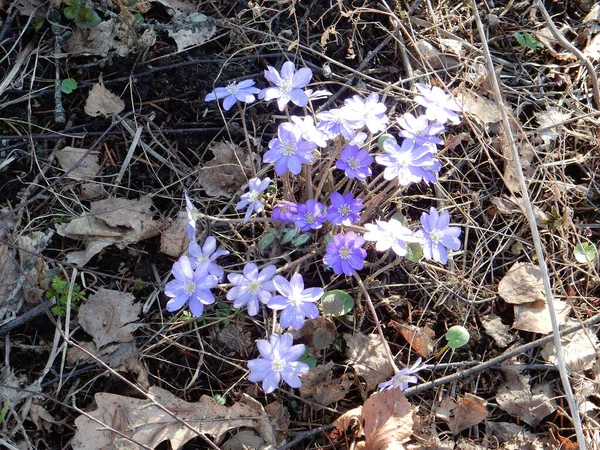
(311, 361)
(59, 289)
(82, 14)
(3, 412)
(68, 85)
(457, 336)
(220, 399)
(585, 253)
(526, 40)
(336, 303)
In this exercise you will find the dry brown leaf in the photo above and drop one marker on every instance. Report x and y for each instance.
(38, 8)
(367, 354)
(10, 272)
(42, 419)
(522, 284)
(321, 387)
(192, 30)
(526, 156)
(102, 102)
(237, 338)
(227, 172)
(579, 350)
(37, 279)
(174, 240)
(109, 316)
(280, 421)
(419, 338)
(519, 400)
(552, 117)
(466, 412)
(147, 424)
(244, 440)
(482, 109)
(535, 317)
(494, 328)
(86, 170)
(350, 418)
(388, 420)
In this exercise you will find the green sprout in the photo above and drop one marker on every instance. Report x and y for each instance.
(81, 13)
(457, 336)
(528, 41)
(59, 289)
(68, 85)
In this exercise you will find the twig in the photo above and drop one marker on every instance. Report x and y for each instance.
(305, 435)
(27, 317)
(534, 232)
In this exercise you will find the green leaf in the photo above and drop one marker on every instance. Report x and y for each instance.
(457, 336)
(289, 235)
(585, 253)
(414, 251)
(299, 241)
(220, 399)
(528, 41)
(311, 361)
(384, 137)
(37, 24)
(68, 85)
(336, 303)
(87, 18)
(267, 240)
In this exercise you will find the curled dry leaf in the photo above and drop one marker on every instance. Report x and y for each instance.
(149, 425)
(419, 338)
(227, 172)
(102, 102)
(320, 386)
(466, 412)
(368, 357)
(280, 421)
(522, 284)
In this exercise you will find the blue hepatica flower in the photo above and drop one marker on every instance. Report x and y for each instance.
(279, 359)
(370, 111)
(295, 302)
(441, 107)
(408, 162)
(190, 286)
(289, 151)
(207, 255)
(402, 378)
(251, 286)
(288, 85)
(390, 235)
(344, 209)
(234, 92)
(437, 236)
(284, 211)
(338, 121)
(192, 213)
(355, 162)
(251, 199)
(345, 253)
(309, 215)
(420, 130)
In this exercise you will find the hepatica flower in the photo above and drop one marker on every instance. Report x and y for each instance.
(437, 236)
(390, 234)
(420, 130)
(408, 162)
(309, 215)
(295, 302)
(192, 213)
(279, 359)
(284, 211)
(339, 121)
(289, 151)
(243, 91)
(288, 85)
(345, 253)
(251, 199)
(251, 286)
(309, 130)
(355, 162)
(370, 111)
(344, 209)
(190, 286)
(207, 255)
(402, 378)
(440, 107)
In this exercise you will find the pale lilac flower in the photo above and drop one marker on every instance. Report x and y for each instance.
(355, 162)
(338, 121)
(289, 151)
(296, 303)
(309, 215)
(251, 286)
(288, 85)
(408, 163)
(251, 199)
(233, 92)
(390, 234)
(358, 139)
(371, 111)
(192, 213)
(284, 211)
(420, 130)
(317, 95)
(344, 209)
(345, 254)
(402, 378)
(279, 359)
(206, 255)
(189, 286)
(309, 130)
(437, 235)
(441, 107)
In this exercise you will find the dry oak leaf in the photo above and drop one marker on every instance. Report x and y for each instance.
(466, 412)
(227, 172)
(368, 357)
(110, 316)
(321, 387)
(102, 102)
(522, 284)
(388, 420)
(149, 425)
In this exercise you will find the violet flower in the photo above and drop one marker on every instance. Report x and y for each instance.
(408, 163)
(420, 130)
(309, 215)
(233, 92)
(371, 111)
(289, 151)
(345, 254)
(251, 199)
(344, 209)
(288, 85)
(295, 302)
(279, 359)
(190, 286)
(251, 286)
(284, 212)
(355, 162)
(402, 378)
(338, 121)
(437, 236)
(441, 107)
(390, 234)
(206, 255)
